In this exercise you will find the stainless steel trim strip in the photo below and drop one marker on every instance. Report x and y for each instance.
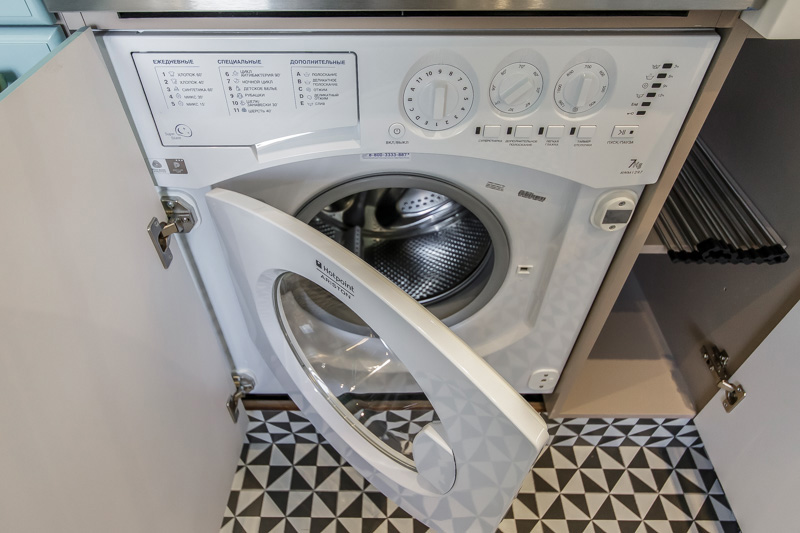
(395, 6)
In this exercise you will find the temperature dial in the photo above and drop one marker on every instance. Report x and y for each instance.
(438, 97)
(516, 88)
(581, 87)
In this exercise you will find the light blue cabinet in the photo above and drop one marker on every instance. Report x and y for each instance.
(24, 13)
(21, 48)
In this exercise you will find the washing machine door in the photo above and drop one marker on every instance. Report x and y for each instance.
(462, 467)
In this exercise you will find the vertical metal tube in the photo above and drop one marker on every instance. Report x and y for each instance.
(674, 230)
(702, 212)
(663, 235)
(728, 180)
(686, 228)
(742, 214)
(726, 229)
(689, 213)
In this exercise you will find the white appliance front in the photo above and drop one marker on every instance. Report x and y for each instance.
(530, 129)
(538, 143)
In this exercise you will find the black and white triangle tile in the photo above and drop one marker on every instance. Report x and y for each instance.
(596, 476)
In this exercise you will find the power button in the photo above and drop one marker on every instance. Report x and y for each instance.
(397, 130)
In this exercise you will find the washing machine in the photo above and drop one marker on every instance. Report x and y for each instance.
(351, 194)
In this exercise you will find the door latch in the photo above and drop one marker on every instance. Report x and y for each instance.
(717, 362)
(244, 383)
(180, 219)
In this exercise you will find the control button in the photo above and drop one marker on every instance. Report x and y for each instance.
(624, 131)
(666, 65)
(656, 86)
(397, 130)
(523, 132)
(183, 130)
(492, 131)
(646, 104)
(661, 75)
(554, 132)
(586, 132)
(651, 95)
(640, 113)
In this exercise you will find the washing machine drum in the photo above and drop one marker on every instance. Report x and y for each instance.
(435, 249)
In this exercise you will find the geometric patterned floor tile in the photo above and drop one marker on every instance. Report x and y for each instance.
(597, 475)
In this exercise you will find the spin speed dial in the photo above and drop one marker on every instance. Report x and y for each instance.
(438, 97)
(581, 87)
(516, 88)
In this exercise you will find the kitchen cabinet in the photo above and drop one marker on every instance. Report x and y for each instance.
(672, 309)
(24, 13)
(21, 48)
(118, 356)
(736, 306)
(112, 381)
(753, 447)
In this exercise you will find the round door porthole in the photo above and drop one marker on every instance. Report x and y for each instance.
(349, 368)
(439, 244)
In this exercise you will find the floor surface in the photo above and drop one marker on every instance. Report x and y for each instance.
(595, 476)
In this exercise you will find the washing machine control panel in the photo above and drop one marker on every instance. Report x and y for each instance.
(601, 109)
(235, 99)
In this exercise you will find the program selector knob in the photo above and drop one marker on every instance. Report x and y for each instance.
(438, 97)
(516, 88)
(581, 88)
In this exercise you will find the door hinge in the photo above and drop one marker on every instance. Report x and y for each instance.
(244, 383)
(180, 219)
(717, 362)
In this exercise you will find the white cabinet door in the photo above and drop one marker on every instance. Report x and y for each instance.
(754, 447)
(313, 304)
(112, 381)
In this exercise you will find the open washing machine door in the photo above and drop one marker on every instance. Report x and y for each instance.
(457, 473)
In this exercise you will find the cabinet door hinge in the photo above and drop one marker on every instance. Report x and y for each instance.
(244, 383)
(180, 219)
(717, 362)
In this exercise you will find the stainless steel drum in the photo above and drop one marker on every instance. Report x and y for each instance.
(423, 238)
(424, 242)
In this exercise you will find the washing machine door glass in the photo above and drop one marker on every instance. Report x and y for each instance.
(350, 365)
(463, 467)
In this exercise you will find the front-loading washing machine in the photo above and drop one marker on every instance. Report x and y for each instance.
(356, 195)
